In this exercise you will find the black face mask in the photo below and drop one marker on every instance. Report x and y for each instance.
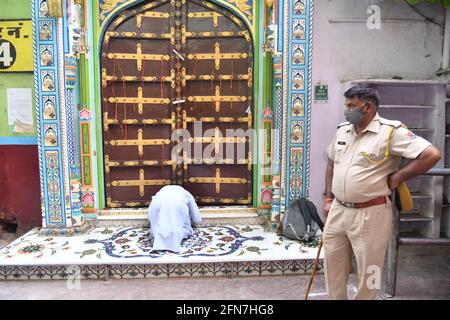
(355, 116)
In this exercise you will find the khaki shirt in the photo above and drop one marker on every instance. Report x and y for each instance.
(355, 179)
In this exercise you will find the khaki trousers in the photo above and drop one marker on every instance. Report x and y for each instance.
(363, 232)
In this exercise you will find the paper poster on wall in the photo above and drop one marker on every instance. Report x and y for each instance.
(20, 110)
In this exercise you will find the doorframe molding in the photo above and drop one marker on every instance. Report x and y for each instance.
(59, 167)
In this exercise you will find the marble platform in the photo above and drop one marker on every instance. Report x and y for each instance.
(126, 252)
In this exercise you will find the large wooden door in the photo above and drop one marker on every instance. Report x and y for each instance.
(168, 66)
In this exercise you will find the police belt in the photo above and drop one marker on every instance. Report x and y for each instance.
(367, 204)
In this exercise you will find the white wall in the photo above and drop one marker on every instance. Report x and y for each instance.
(347, 49)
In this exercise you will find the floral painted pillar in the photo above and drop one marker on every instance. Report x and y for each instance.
(56, 84)
(297, 90)
(292, 26)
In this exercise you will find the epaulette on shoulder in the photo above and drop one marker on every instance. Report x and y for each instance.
(393, 123)
(343, 124)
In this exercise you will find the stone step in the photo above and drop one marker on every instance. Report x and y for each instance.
(203, 210)
(142, 220)
(211, 216)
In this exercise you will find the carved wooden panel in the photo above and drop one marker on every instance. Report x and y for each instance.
(169, 65)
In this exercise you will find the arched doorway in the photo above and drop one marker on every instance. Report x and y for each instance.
(164, 66)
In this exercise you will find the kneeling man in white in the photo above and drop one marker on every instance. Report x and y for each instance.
(170, 213)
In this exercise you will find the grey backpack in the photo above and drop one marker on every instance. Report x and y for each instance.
(301, 221)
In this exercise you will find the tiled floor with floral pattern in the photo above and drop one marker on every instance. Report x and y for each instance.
(133, 245)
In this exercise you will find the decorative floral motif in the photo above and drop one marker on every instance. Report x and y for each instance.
(43, 9)
(87, 252)
(49, 107)
(298, 80)
(252, 249)
(46, 55)
(107, 6)
(299, 7)
(32, 248)
(51, 139)
(297, 129)
(85, 114)
(48, 80)
(298, 107)
(299, 26)
(107, 231)
(298, 54)
(53, 186)
(226, 239)
(296, 173)
(87, 200)
(266, 196)
(267, 113)
(46, 30)
(205, 241)
(244, 5)
(255, 249)
(247, 229)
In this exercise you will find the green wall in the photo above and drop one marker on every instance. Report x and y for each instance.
(10, 10)
(15, 9)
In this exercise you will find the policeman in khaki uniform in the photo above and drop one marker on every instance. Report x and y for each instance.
(363, 168)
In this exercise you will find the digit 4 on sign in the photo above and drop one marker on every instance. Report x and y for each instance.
(7, 54)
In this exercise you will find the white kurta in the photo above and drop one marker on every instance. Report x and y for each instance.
(170, 214)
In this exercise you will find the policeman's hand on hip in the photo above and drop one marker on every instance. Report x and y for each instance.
(393, 181)
(424, 162)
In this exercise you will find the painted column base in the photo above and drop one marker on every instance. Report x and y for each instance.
(71, 231)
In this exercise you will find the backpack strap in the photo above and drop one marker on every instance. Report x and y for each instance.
(303, 207)
(307, 217)
(305, 237)
(315, 216)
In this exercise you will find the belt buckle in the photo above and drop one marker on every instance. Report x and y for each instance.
(348, 204)
(351, 205)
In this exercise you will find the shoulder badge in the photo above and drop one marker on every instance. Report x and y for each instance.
(392, 123)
